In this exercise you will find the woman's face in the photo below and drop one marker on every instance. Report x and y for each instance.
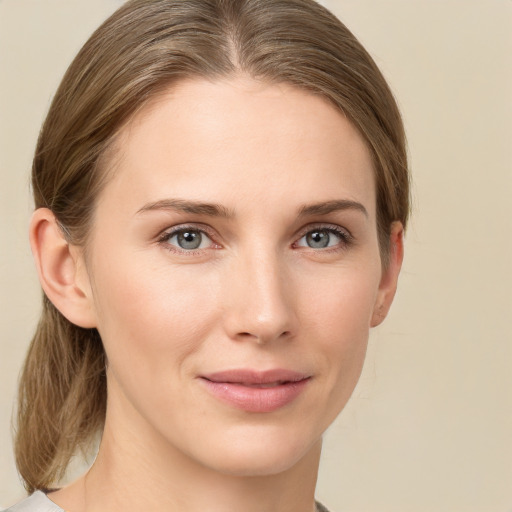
(234, 273)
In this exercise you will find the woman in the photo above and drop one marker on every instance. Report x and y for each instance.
(221, 191)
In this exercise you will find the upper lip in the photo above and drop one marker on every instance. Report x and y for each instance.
(250, 376)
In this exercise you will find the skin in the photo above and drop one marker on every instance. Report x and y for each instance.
(255, 294)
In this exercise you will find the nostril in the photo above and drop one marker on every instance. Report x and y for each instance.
(263, 338)
(248, 335)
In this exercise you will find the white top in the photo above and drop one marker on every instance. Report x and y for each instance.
(39, 502)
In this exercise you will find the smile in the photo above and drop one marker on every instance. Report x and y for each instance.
(257, 392)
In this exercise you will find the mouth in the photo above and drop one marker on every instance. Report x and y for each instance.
(256, 391)
(262, 385)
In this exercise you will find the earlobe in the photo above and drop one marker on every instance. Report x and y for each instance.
(389, 279)
(61, 269)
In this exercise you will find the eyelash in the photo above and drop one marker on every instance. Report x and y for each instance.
(346, 238)
(164, 238)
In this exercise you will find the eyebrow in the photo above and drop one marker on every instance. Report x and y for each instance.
(186, 206)
(327, 207)
(217, 210)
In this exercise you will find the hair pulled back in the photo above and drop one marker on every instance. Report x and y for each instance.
(141, 50)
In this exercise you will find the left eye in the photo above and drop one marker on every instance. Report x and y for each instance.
(321, 239)
(188, 239)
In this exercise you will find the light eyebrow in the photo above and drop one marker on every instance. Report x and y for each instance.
(328, 207)
(186, 206)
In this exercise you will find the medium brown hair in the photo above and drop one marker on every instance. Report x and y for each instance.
(141, 50)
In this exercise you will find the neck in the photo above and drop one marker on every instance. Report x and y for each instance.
(133, 480)
(138, 470)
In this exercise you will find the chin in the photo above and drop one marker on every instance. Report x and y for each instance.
(263, 455)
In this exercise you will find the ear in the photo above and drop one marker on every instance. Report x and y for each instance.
(389, 279)
(61, 269)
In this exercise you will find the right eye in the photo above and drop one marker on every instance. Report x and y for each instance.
(187, 239)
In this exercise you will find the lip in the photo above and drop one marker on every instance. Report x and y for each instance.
(256, 391)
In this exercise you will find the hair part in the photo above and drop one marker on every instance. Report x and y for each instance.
(139, 52)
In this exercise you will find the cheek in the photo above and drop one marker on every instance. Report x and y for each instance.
(337, 311)
(146, 315)
(340, 301)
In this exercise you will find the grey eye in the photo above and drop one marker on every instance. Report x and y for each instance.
(318, 239)
(322, 238)
(189, 239)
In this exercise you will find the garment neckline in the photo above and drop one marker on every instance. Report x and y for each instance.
(40, 494)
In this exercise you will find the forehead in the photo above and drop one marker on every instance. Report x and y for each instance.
(209, 140)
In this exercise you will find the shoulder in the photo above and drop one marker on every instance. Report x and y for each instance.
(37, 502)
(320, 507)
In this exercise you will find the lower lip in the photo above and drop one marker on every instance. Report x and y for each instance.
(254, 399)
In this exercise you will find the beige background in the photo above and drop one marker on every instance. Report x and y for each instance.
(430, 425)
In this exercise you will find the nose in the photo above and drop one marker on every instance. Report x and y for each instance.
(259, 304)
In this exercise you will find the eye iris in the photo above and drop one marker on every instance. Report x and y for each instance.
(189, 239)
(318, 239)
